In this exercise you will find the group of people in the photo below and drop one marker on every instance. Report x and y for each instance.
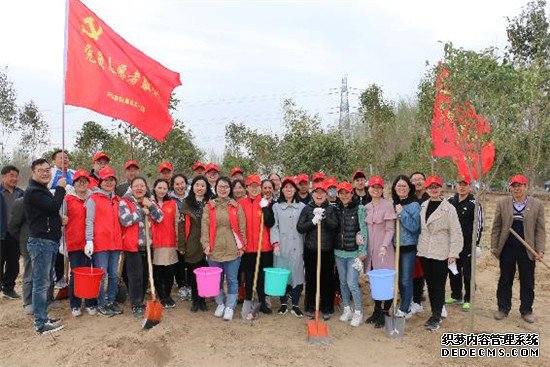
(223, 221)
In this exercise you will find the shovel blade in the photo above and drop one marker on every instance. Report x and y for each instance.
(395, 326)
(317, 332)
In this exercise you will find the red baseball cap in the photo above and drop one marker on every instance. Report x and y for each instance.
(344, 185)
(288, 179)
(79, 173)
(302, 177)
(433, 180)
(130, 164)
(376, 180)
(358, 173)
(106, 172)
(253, 179)
(318, 176)
(320, 185)
(198, 165)
(235, 170)
(521, 179)
(165, 165)
(212, 167)
(331, 182)
(100, 155)
(462, 178)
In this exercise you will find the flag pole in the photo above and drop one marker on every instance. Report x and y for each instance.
(63, 168)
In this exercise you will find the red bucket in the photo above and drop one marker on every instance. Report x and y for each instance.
(87, 281)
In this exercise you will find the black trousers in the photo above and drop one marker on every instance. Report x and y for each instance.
(463, 278)
(137, 272)
(435, 273)
(327, 285)
(192, 279)
(294, 293)
(248, 263)
(9, 262)
(59, 266)
(164, 280)
(511, 255)
(180, 272)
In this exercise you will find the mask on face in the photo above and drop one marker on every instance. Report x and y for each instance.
(332, 191)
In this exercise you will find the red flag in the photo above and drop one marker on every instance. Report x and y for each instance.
(108, 75)
(465, 146)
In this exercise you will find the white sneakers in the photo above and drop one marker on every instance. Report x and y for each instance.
(416, 308)
(219, 311)
(357, 319)
(228, 314)
(92, 311)
(347, 314)
(76, 312)
(444, 312)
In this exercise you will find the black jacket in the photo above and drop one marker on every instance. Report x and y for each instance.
(42, 211)
(465, 210)
(18, 226)
(329, 227)
(348, 226)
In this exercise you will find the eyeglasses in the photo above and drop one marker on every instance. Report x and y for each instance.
(42, 171)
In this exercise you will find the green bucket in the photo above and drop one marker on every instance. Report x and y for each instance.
(276, 280)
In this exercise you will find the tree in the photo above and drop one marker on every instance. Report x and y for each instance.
(8, 109)
(528, 51)
(35, 135)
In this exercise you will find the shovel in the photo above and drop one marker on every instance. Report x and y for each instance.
(63, 293)
(153, 310)
(122, 291)
(317, 331)
(250, 309)
(395, 326)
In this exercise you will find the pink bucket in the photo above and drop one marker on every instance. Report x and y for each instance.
(208, 281)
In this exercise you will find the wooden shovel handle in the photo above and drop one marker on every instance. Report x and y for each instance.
(529, 248)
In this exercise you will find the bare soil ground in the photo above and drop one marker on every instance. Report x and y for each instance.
(187, 339)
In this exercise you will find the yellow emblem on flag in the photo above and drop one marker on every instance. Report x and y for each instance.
(92, 31)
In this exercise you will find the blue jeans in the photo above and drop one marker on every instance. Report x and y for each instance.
(349, 281)
(78, 259)
(108, 261)
(42, 253)
(231, 272)
(406, 269)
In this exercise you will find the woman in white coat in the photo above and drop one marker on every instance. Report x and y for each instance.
(288, 244)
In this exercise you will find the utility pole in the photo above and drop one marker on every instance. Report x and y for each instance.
(344, 121)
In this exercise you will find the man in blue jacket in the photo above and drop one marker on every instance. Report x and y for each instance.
(42, 212)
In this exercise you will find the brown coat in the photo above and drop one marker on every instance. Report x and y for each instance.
(225, 245)
(441, 235)
(533, 225)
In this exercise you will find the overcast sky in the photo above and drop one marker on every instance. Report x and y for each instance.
(238, 59)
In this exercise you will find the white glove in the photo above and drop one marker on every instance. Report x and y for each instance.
(478, 251)
(264, 203)
(276, 250)
(89, 248)
(359, 239)
(319, 212)
(357, 265)
(316, 219)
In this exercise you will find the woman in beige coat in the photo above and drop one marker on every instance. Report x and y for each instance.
(439, 244)
(223, 237)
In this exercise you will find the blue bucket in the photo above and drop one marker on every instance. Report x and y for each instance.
(276, 280)
(381, 284)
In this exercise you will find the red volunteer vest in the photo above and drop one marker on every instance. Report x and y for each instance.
(164, 233)
(253, 213)
(107, 229)
(233, 221)
(130, 235)
(75, 230)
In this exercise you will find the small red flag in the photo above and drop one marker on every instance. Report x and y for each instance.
(466, 146)
(108, 75)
